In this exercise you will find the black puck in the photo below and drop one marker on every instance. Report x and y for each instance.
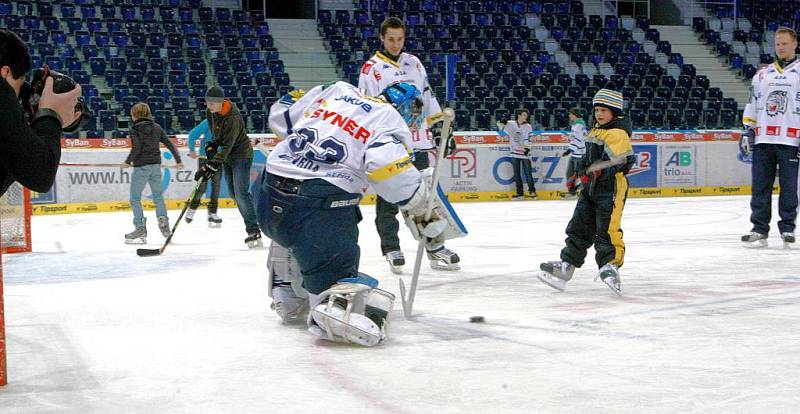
(476, 319)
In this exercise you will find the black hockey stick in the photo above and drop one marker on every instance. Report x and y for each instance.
(156, 252)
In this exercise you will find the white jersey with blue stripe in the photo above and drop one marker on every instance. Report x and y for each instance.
(337, 133)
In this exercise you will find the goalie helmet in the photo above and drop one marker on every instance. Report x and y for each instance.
(406, 98)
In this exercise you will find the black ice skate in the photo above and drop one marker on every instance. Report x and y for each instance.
(788, 239)
(396, 261)
(531, 195)
(138, 235)
(189, 216)
(517, 197)
(569, 195)
(253, 241)
(754, 239)
(556, 274)
(214, 220)
(444, 259)
(163, 225)
(609, 274)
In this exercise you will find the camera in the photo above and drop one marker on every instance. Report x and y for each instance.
(31, 92)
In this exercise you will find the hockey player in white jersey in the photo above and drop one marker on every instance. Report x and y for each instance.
(390, 65)
(337, 142)
(772, 134)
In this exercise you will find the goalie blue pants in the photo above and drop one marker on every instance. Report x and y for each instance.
(317, 221)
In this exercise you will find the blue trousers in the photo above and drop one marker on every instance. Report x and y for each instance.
(766, 159)
(237, 176)
(317, 221)
(523, 164)
(146, 175)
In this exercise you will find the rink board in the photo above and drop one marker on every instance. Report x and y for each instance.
(680, 163)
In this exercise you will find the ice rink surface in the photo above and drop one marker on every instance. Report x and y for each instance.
(704, 326)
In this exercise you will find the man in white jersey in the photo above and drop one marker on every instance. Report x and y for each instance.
(772, 134)
(390, 65)
(337, 141)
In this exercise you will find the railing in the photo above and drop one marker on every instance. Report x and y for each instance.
(704, 8)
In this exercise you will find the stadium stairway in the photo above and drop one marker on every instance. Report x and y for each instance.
(304, 55)
(685, 42)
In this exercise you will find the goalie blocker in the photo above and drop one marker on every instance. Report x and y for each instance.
(444, 223)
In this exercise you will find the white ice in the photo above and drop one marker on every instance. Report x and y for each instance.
(704, 326)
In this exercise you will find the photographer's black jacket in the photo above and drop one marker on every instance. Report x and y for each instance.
(145, 138)
(28, 154)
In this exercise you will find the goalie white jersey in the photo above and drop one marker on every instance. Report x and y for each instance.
(381, 71)
(774, 108)
(336, 133)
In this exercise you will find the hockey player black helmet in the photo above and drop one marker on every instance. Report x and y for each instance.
(406, 98)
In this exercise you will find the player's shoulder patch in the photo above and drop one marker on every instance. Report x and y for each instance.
(367, 66)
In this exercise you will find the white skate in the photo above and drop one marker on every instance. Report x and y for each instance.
(444, 259)
(253, 241)
(556, 274)
(788, 239)
(609, 274)
(214, 221)
(396, 261)
(755, 240)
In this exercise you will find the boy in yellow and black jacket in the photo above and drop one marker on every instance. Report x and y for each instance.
(598, 213)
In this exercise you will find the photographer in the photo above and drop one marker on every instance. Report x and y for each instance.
(29, 151)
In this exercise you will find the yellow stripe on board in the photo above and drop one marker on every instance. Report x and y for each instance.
(460, 197)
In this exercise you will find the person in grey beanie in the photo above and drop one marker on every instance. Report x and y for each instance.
(231, 150)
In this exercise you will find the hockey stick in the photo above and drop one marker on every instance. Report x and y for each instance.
(156, 252)
(408, 301)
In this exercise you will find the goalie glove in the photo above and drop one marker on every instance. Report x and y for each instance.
(414, 213)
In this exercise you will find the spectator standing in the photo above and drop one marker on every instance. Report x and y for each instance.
(519, 137)
(145, 158)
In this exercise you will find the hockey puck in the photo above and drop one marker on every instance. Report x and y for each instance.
(476, 319)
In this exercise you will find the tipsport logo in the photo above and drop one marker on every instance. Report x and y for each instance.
(463, 163)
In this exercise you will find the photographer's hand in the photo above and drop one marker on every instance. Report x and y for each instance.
(62, 103)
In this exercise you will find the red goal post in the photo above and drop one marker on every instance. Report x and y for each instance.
(15, 228)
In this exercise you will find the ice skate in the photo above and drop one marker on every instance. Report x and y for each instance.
(444, 259)
(531, 195)
(609, 274)
(163, 225)
(214, 220)
(556, 274)
(788, 239)
(253, 241)
(189, 215)
(138, 235)
(756, 240)
(517, 197)
(396, 261)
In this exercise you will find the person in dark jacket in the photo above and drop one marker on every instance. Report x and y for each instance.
(231, 150)
(597, 217)
(145, 158)
(29, 151)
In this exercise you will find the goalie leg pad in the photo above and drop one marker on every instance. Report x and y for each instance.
(289, 299)
(351, 311)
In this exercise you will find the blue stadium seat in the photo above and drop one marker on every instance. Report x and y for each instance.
(691, 118)
(258, 120)
(108, 120)
(186, 120)
(655, 119)
(164, 118)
